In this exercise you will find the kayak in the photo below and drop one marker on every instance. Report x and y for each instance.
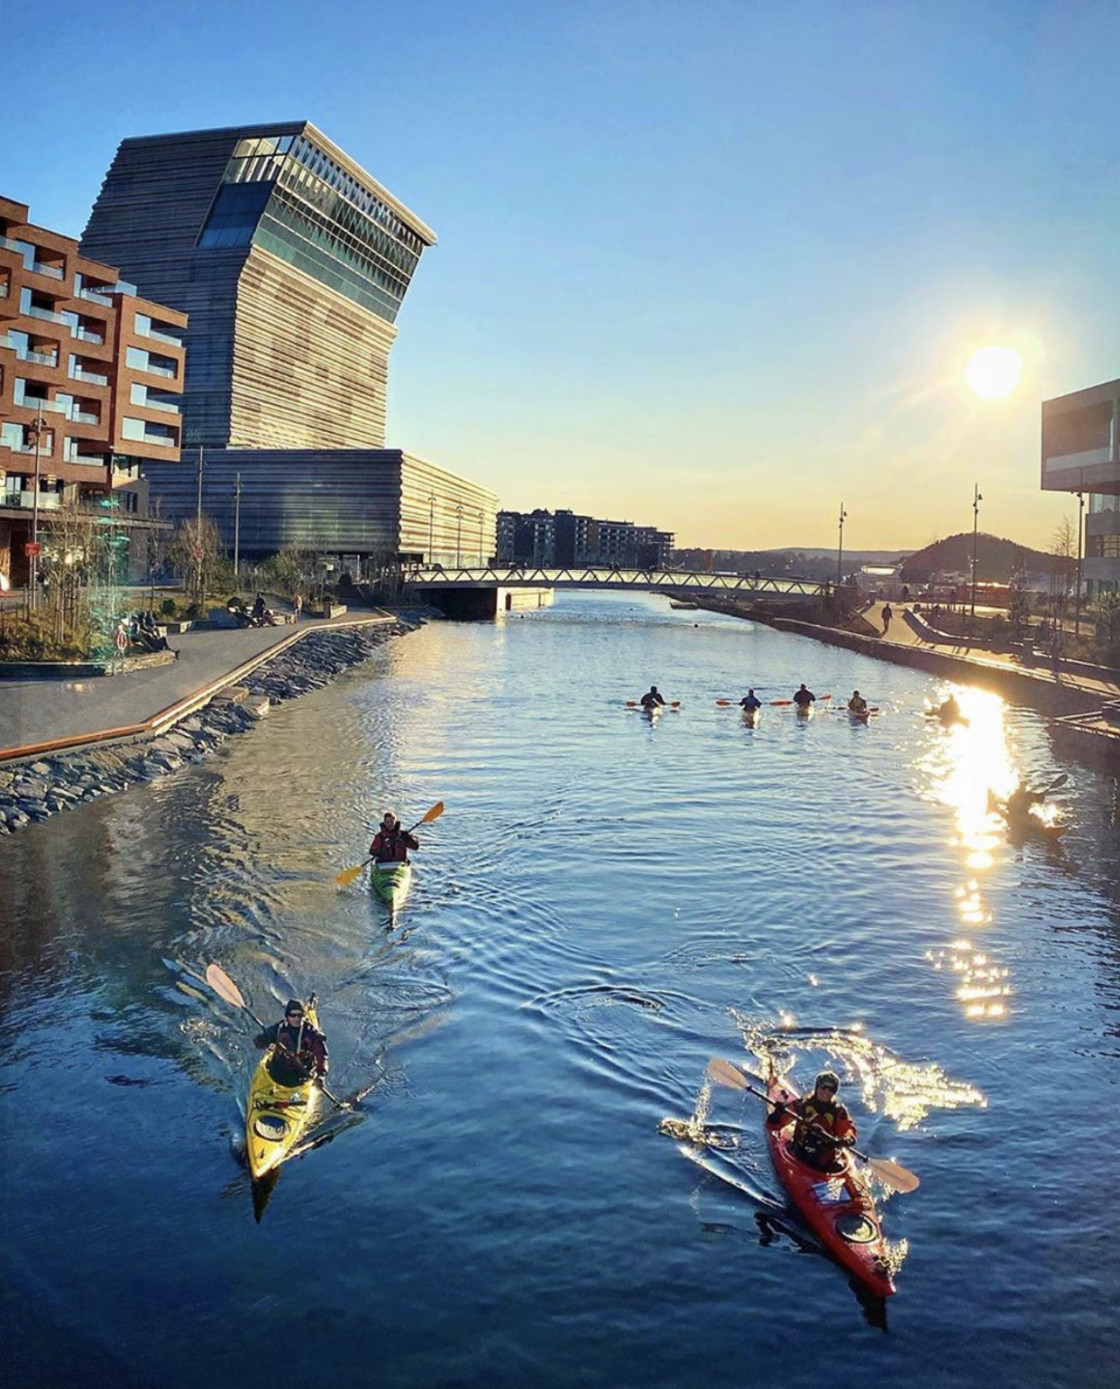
(804, 711)
(859, 715)
(391, 882)
(277, 1115)
(751, 717)
(1023, 825)
(837, 1206)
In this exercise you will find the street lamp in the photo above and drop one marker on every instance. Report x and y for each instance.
(840, 548)
(1077, 595)
(459, 535)
(976, 500)
(237, 527)
(431, 527)
(33, 577)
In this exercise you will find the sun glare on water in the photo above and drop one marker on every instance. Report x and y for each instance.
(994, 372)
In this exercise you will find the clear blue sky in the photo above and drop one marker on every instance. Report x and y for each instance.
(714, 266)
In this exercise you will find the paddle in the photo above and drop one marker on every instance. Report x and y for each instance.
(669, 704)
(225, 988)
(890, 1173)
(776, 702)
(346, 878)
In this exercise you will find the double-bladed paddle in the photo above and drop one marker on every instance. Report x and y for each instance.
(889, 1173)
(345, 878)
(225, 988)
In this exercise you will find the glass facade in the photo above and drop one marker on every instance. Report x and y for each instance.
(291, 198)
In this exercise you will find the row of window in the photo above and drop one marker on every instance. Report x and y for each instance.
(1102, 546)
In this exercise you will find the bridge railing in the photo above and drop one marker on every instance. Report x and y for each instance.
(675, 580)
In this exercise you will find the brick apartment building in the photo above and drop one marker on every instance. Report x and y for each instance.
(90, 376)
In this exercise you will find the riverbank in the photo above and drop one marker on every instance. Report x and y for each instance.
(55, 775)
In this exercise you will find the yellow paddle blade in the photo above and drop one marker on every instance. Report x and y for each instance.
(433, 814)
(724, 1073)
(901, 1178)
(224, 986)
(346, 878)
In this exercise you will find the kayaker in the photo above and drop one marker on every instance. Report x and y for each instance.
(301, 1049)
(804, 697)
(822, 1123)
(750, 702)
(949, 711)
(651, 698)
(391, 843)
(1018, 804)
(857, 704)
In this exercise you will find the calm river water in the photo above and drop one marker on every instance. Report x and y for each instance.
(604, 905)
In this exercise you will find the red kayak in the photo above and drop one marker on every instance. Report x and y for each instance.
(836, 1205)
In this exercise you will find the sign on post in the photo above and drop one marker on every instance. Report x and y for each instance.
(32, 547)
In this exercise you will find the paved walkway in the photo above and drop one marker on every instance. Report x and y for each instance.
(38, 711)
(900, 633)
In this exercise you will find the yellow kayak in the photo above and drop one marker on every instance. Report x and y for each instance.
(277, 1115)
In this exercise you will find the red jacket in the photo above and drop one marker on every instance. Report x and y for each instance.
(392, 846)
(830, 1120)
(300, 1051)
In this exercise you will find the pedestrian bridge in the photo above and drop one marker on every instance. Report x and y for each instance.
(481, 590)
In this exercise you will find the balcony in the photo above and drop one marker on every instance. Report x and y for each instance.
(42, 404)
(71, 454)
(43, 359)
(84, 417)
(169, 406)
(48, 315)
(93, 378)
(95, 298)
(85, 335)
(25, 501)
(52, 272)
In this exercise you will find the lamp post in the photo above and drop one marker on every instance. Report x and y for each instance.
(237, 526)
(976, 500)
(840, 548)
(431, 527)
(481, 556)
(33, 577)
(1077, 594)
(459, 535)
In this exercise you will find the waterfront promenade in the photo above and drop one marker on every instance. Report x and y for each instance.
(1070, 679)
(34, 712)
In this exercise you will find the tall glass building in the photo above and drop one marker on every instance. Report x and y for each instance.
(292, 263)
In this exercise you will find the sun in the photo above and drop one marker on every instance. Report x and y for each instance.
(994, 372)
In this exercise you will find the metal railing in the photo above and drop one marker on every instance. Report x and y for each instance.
(94, 378)
(576, 576)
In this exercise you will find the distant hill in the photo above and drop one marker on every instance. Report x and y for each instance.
(809, 563)
(996, 559)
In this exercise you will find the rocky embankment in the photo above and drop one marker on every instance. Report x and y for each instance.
(33, 791)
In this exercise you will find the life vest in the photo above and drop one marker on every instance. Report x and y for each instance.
(812, 1114)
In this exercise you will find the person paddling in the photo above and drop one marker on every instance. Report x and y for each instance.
(949, 711)
(391, 843)
(822, 1124)
(804, 698)
(300, 1048)
(857, 704)
(652, 699)
(750, 702)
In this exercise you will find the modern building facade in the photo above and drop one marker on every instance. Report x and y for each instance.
(90, 378)
(1081, 454)
(292, 263)
(368, 507)
(542, 538)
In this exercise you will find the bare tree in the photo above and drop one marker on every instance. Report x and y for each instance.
(194, 554)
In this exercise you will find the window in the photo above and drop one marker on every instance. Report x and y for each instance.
(11, 436)
(136, 358)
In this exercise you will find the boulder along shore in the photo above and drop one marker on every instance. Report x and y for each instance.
(34, 791)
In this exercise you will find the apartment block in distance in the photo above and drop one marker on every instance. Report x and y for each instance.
(292, 263)
(90, 376)
(567, 539)
(1081, 454)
